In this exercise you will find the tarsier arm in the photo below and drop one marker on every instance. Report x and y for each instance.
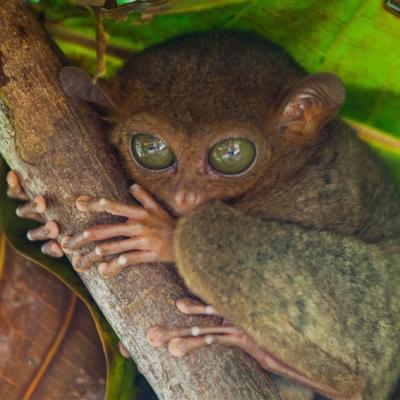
(330, 296)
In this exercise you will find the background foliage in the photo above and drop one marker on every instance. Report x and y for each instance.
(356, 39)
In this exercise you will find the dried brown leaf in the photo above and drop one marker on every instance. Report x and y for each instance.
(49, 347)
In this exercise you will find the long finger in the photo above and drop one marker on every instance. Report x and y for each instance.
(15, 190)
(161, 334)
(52, 249)
(117, 247)
(115, 266)
(87, 203)
(33, 210)
(145, 199)
(44, 232)
(187, 305)
(180, 347)
(102, 232)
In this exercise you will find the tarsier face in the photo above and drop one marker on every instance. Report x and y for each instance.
(185, 171)
(196, 121)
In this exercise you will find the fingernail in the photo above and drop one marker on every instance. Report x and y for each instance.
(29, 236)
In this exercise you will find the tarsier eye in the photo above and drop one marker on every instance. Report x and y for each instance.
(232, 156)
(151, 152)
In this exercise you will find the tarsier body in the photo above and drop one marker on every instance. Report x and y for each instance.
(276, 214)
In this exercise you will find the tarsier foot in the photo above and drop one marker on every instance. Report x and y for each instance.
(147, 234)
(34, 210)
(182, 341)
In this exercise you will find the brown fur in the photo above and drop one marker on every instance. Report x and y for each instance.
(307, 260)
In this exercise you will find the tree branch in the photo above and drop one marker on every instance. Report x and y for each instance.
(57, 148)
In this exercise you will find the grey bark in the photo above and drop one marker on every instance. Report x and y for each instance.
(57, 147)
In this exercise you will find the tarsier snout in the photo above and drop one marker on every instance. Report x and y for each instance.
(186, 201)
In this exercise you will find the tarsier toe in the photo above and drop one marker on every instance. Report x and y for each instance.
(177, 347)
(52, 249)
(108, 270)
(82, 203)
(157, 336)
(12, 179)
(15, 190)
(33, 209)
(48, 231)
(180, 347)
(123, 350)
(76, 262)
(187, 305)
(52, 229)
(64, 244)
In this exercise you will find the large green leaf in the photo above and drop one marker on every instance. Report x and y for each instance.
(121, 372)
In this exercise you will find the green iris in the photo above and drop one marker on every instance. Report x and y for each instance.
(232, 156)
(151, 152)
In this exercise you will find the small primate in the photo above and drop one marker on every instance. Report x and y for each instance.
(276, 215)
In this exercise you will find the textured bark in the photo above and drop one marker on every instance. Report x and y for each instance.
(57, 148)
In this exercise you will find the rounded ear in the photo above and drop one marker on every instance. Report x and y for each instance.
(77, 83)
(310, 105)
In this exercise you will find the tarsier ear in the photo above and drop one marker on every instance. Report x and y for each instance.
(310, 105)
(77, 83)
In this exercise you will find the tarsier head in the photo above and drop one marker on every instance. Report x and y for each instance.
(215, 116)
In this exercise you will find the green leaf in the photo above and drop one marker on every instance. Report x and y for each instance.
(121, 372)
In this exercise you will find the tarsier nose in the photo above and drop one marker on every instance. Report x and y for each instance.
(186, 201)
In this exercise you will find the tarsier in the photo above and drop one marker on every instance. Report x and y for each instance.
(274, 213)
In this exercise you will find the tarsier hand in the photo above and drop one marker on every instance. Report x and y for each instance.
(146, 235)
(34, 210)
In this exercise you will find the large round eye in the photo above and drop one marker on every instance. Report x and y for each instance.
(232, 156)
(151, 152)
